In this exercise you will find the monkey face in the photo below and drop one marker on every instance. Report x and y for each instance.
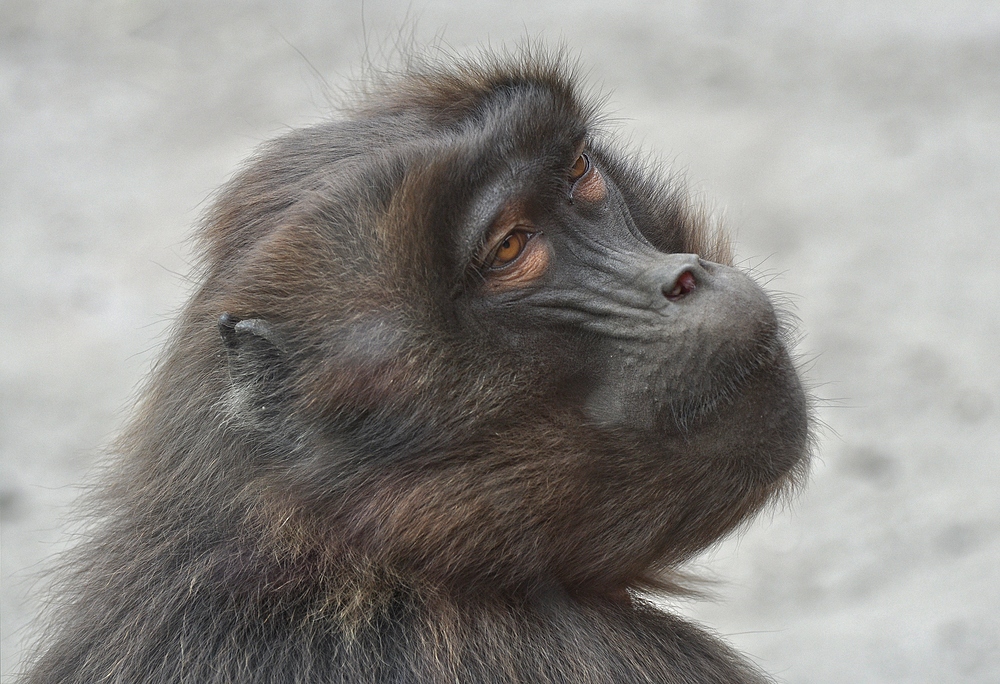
(482, 342)
(654, 340)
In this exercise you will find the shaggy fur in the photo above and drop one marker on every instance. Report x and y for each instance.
(378, 472)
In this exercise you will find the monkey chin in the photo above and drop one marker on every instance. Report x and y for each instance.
(726, 389)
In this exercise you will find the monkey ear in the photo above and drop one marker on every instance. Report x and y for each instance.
(256, 368)
(249, 332)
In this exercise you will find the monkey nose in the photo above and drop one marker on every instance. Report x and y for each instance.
(681, 287)
(670, 278)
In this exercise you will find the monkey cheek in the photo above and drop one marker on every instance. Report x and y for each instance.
(611, 404)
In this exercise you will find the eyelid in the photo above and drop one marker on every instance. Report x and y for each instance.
(511, 217)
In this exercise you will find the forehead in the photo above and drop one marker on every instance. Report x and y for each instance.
(532, 116)
(510, 141)
(523, 103)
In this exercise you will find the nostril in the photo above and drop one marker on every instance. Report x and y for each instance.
(684, 285)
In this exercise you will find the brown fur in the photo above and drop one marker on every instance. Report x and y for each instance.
(373, 490)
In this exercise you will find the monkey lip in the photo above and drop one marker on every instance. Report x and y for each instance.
(683, 286)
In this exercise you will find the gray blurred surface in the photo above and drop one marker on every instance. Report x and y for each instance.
(855, 148)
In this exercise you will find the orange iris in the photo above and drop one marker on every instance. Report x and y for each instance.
(510, 248)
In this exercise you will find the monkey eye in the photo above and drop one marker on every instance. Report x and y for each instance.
(585, 181)
(579, 169)
(509, 248)
(511, 256)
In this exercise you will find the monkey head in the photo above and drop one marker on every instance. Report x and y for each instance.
(468, 339)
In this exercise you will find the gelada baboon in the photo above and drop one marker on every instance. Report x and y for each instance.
(461, 383)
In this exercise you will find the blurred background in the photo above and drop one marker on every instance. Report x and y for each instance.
(853, 148)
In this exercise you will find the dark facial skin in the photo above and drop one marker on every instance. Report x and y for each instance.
(460, 381)
(650, 333)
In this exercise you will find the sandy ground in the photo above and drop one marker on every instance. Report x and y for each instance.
(855, 147)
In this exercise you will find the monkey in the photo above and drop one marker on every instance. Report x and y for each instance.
(462, 384)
